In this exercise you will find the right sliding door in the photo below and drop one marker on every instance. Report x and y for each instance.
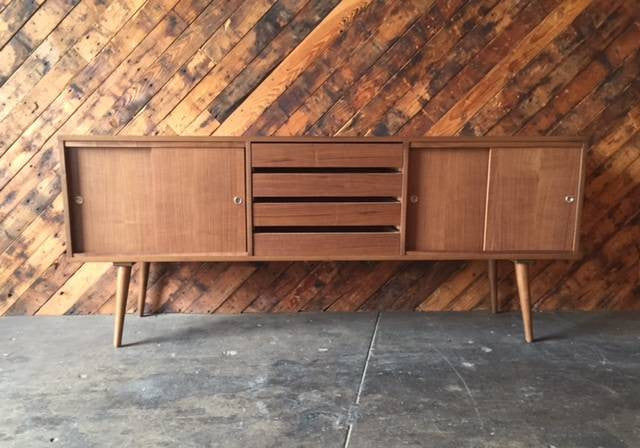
(532, 199)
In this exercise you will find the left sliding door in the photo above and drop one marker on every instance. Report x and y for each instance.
(156, 200)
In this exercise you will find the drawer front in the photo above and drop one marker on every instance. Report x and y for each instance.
(329, 155)
(327, 184)
(326, 214)
(326, 244)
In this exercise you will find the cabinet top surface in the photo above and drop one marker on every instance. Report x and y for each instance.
(103, 140)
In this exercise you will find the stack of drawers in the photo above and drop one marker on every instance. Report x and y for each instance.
(326, 199)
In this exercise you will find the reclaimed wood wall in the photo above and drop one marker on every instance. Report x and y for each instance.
(317, 67)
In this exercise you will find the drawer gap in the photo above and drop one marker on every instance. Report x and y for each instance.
(323, 170)
(325, 229)
(287, 199)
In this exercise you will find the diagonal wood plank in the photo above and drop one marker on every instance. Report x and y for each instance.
(531, 45)
(291, 67)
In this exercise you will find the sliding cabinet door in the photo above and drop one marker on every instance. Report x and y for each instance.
(157, 201)
(533, 197)
(447, 194)
(198, 200)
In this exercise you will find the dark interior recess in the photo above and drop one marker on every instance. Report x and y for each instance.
(327, 170)
(285, 200)
(325, 229)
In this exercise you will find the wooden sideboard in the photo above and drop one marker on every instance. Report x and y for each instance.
(153, 199)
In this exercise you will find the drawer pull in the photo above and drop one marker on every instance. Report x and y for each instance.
(237, 200)
(569, 199)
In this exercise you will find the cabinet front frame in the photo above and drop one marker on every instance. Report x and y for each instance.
(67, 142)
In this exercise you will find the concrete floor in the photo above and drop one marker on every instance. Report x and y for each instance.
(322, 380)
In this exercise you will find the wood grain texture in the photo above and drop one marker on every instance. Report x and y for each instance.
(287, 67)
(195, 189)
(122, 292)
(158, 200)
(312, 155)
(527, 177)
(447, 195)
(326, 214)
(326, 244)
(103, 220)
(524, 294)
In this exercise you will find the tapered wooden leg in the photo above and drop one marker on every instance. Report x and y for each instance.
(143, 274)
(122, 291)
(522, 278)
(493, 286)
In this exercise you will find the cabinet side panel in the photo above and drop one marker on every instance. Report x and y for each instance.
(108, 200)
(448, 188)
(533, 199)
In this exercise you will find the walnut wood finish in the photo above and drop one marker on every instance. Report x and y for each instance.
(327, 154)
(522, 280)
(327, 184)
(375, 67)
(381, 67)
(123, 277)
(143, 279)
(100, 204)
(209, 176)
(185, 198)
(327, 214)
(194, 192)
(532, 199)
(492, 272)
(447, 199)
(328, 244)
(143, 199)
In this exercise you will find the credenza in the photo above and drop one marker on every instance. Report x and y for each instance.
(159, 199)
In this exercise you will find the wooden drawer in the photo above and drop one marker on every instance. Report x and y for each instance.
(319, 155)
(326, 244)
(327, 184)
(326, 214)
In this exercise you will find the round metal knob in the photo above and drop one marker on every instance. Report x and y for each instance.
(413, 198)
(569, 199)
(237, 200)
(78, 200)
